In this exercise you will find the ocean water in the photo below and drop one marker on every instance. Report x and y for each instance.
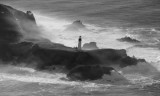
(106, 21)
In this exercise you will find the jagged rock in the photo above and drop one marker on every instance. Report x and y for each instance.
(128, 39)
(76, 26)
(90, 46)
(31, 16)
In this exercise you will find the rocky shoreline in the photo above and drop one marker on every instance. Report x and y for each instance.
(17, 48)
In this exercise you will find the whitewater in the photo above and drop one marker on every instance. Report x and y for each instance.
(140, 80)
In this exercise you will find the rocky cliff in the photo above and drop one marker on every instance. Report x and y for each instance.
(14, 24)
(44, 55)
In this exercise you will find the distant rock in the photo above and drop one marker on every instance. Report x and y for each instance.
(76, 26)
(128, 39)
(90, 46)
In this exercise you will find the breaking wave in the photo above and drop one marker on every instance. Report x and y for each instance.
(142, 73)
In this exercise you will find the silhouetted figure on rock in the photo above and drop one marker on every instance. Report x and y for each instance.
(79, 43)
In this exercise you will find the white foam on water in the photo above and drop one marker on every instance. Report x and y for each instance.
(26, 69)
(30, 75)
(139, 79)
(51, 23)
(36, 79)
(34, 76)
(53, 29)
(151, 55)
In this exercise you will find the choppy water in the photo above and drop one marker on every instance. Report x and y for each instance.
(107, 21)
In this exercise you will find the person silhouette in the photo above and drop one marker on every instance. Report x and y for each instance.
(79, 43)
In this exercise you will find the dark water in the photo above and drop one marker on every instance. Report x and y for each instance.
(107, 21)
(107, 12)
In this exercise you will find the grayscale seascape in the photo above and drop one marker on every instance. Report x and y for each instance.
(133, 25)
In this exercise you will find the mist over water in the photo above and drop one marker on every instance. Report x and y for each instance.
(106, 21)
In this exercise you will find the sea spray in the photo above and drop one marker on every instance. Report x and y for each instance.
(54, 30)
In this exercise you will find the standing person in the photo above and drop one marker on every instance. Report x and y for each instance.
(79, 43)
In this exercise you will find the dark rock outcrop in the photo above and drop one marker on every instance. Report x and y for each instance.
(76, 26)
(128, 39)
(44, 55)
(73, 58)
(90, 46)
(92, 72)
(14, 23)
(9, 29)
